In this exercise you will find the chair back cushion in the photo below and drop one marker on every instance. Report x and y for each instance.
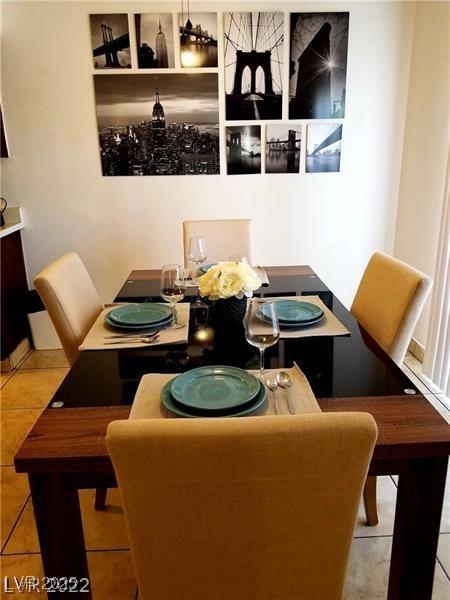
(71, 300)
(388, 302)
(256, 508)
(222, 238)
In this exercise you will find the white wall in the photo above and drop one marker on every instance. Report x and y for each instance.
(425, 153)
(331, 221)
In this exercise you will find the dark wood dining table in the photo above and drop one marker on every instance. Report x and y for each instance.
(66, 451)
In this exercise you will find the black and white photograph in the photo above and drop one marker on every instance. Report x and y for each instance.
(154, 41)
(158, 124)
(110, 41)
(323, 150)
(283, 145)
(243, 150)
(253, 48)
(318, 65)
(198, 39)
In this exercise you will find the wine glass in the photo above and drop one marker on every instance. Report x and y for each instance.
(261, 327)
(197, 252)
(173, 288)
(238, 257)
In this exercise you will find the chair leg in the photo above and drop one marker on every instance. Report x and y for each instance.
(100, 498)
(370, 500)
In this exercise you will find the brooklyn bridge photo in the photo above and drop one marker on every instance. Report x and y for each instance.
(253, 65)
(283, 148)
(110, 41)
(318, 65)
(154, 41)
(243, 150)
(323, 151)
(165, 124)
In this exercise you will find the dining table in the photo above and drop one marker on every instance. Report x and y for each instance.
(66, 450)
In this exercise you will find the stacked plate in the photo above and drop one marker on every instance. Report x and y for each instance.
(213, 391)
(294, 313)
(135, 317)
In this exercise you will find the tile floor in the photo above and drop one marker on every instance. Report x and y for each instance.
(26, 392)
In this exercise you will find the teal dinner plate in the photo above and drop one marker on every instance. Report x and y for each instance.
(143, 313)
(294, 311)
(206, 268)
(171, 404)
(300, 324)
(137, 328)
(214, 388)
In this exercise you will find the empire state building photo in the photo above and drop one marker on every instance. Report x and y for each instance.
(154, 41)
(167, 126)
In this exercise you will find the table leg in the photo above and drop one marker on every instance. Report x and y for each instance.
(60, 530)
(418, 511)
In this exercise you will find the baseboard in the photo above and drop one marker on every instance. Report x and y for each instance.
(416, 349)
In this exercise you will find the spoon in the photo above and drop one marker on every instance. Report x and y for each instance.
(142, 340)
(284, 380)
(272, 384)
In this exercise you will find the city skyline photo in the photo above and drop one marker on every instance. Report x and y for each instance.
(318, 65)
(283, 143)
(110, 40)
(164, 124)
(253, 48)
(154, 41)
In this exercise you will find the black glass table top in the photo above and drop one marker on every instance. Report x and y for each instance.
(343, 366)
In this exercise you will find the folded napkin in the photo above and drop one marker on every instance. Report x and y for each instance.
(328, 325)
(101, 333)
(147, 403)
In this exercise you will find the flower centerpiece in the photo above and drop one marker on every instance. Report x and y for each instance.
(229, 284)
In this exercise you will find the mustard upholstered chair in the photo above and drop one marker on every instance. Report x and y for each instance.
(71, 300)
(222, 238)
(256, 508)
(387, 305)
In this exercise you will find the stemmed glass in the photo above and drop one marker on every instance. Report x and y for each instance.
(173, 288)
(197, 252)
(261, 328)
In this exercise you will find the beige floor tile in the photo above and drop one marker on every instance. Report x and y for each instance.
(15, 426)
(14, 493)
(45, 359)
(112, 575)
(444, 551)
(32, 388)
(15, 567)
(386, 498)
(5, 377)
(368, 572)
(445, 519)
(103, 530)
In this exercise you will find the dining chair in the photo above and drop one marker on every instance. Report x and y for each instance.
(242, 507)
(72, 302)
(387, 304)
(222, 238)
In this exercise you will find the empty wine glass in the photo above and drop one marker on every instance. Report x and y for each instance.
(261, 327)
(197, 252)
(238, 257)
(173, 288)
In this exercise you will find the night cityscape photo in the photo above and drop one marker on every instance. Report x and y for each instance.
(165, 124)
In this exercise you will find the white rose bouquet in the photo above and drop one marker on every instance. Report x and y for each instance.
(228, 279)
